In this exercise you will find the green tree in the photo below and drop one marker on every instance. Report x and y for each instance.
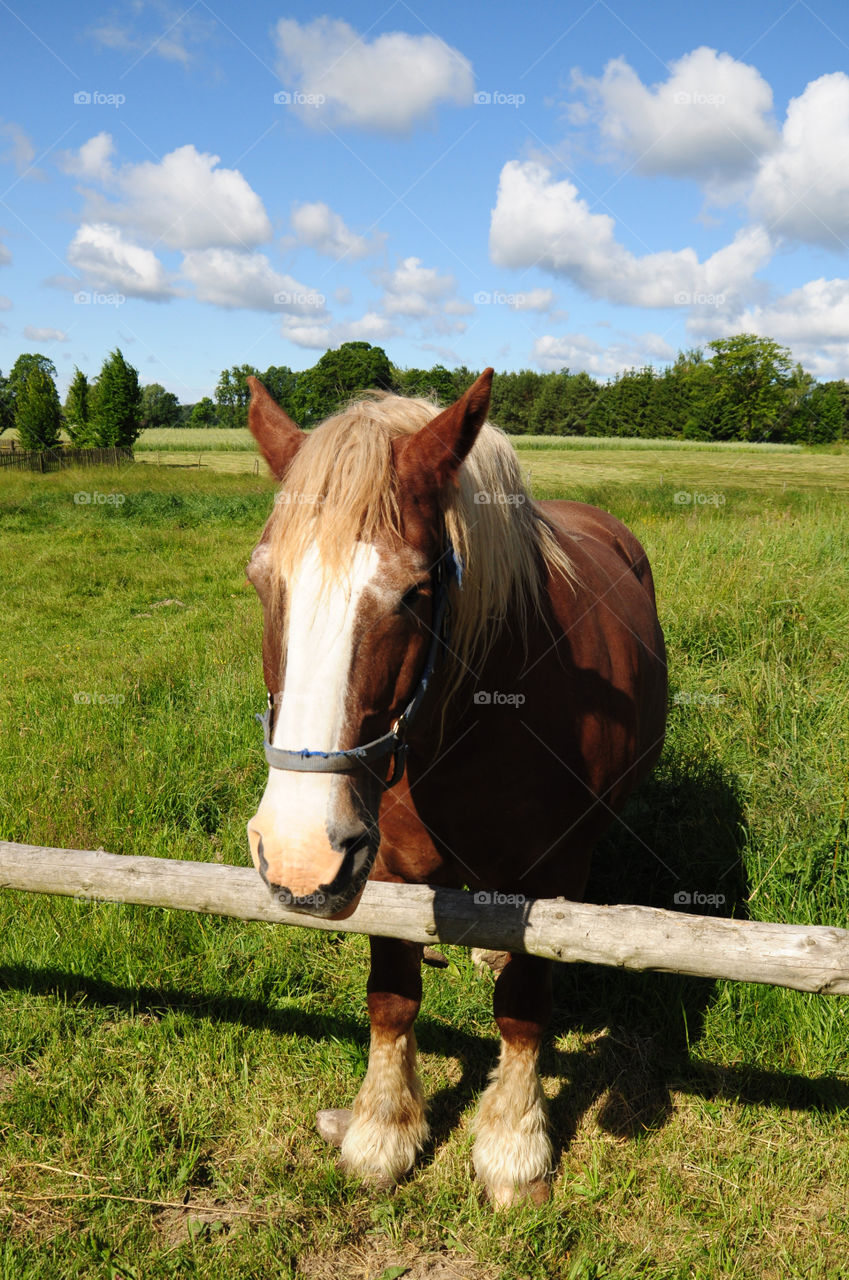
(24, 365)
(78, 411)
(159, 408)
(232, 395)
(436, 383)
(203, 414)
(116, 403)
(339, 375)
(38, 413)
(7, 405)
(282, 383)
(751, 388)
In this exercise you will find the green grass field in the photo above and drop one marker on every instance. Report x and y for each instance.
(160, 1073)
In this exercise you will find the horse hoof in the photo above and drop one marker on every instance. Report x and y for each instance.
(333, 1124)
(506, 1197)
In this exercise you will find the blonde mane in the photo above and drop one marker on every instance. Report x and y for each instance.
(341, 489)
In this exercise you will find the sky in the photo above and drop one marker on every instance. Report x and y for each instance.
(593, 186)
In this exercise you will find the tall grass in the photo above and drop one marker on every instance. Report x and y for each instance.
(159, 1072)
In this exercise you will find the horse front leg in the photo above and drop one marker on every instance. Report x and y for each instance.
(388, 1126)
(512, 1153)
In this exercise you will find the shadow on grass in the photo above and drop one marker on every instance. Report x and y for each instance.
(683, 833)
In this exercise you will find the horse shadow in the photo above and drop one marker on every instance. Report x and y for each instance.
(678, 846)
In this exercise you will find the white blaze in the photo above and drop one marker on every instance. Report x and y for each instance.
(311, 712)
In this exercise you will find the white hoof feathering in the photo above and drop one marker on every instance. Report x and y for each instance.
(388, 1126)
(512, 1153)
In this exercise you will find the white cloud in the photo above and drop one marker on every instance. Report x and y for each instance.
(371, 327)
(171, 35)
(20, 151)
(36, 334)
(5, 255)
(813, 321)
(320, 228)
(112, 264)
(534, 300)
(802, 189)
(6, 304)
(710, 119)
(421, 293)
(577, 352)
(388, 84)
(230, 278)
(184, 200)
(538, 221)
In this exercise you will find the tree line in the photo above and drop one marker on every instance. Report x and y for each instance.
(740, 388)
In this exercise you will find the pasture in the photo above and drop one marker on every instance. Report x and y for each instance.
(160, 1073)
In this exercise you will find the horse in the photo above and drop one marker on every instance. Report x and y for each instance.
(464, 687)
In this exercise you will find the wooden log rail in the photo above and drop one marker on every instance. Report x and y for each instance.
(807, 958)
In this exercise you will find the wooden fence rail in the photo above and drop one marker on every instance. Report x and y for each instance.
(807, 958)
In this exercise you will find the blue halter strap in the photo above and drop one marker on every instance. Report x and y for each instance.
(393, 743)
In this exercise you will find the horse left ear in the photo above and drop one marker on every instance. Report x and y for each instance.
(437, 450)
(278, 437)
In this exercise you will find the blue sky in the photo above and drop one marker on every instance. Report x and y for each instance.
(593, 185)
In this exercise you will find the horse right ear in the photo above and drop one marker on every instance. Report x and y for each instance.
(278, 437)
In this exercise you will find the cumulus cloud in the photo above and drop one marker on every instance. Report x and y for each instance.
(112, 264)
(389, 84)
(318, 227)
(538, 221)
(36, 334)
(802, 189)
(813, 321)
(370, 327)
(231, 278)
(183, 200)
(6, 304)
(710, 119)
(5, 255)
(579, 353)
(420, 293)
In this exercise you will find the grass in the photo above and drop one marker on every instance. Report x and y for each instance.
(160, 1073)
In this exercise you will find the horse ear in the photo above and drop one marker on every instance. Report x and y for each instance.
(436, 451)
(278, 437)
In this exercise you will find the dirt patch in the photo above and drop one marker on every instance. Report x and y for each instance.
(373, 1262)
(201, 1221)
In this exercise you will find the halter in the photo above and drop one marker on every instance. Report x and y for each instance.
(394, 743)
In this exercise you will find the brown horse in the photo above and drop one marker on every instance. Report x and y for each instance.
(498, 663)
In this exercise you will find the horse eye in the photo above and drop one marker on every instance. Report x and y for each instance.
(413, 595)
